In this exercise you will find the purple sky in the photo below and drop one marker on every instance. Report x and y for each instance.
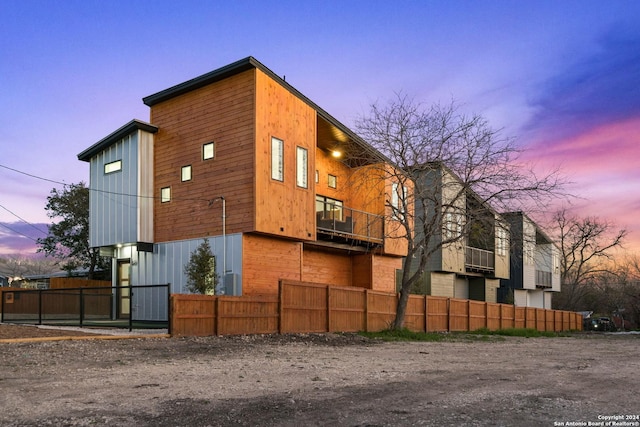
(561, 77)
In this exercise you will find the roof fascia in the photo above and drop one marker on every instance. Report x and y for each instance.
(247, 64)
(115, 136)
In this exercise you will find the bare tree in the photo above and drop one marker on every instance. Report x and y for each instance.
(456, 168)
(586, 246)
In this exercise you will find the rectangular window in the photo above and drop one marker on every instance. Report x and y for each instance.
(301, 167)
(113, 167)
(185, 174)
(502, 244)
(317, 176)
(398, 200)
(208, 151)
(165, 194)
(332, 181)
(452, 225)
(277, 159)
(328, 208)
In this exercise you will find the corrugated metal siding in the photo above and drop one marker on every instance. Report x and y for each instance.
(113, 198)
(145, 187)
(166, 263)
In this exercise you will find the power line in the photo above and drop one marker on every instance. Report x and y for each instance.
(23, 220)
(18, 232)
(103, 191)
(33, 176)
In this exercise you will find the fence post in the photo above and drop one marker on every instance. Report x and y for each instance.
(40, 307)
(130, 308)
(280, 295)
(448, 314)
(169, 309)
(328, 304)
(216, 315)
(426, 314)
(486, 315)
(81, 307)
(366, 310)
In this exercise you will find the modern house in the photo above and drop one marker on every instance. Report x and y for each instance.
(469, 240)
(239, 157)
(535, 265)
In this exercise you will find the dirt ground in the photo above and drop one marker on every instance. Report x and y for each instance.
(320, 380)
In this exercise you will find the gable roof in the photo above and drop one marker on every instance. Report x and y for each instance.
(115, 136)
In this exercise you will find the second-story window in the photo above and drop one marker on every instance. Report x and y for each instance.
(277, 159)
(332, 181)
(113, 167)
(328, 208)
(502, 241)
(185, 173)
(208, 151)
(398, 200)
(165, 194)
(452, 225)
(301, 167)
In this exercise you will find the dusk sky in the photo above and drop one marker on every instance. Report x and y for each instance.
(562, 77)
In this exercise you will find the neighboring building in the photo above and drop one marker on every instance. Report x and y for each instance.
(535, 265)
(240, 157)
(4, 279)
(471, 251)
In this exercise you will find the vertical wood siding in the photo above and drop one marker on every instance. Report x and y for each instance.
(325, 267)
(281, 207)
(266, 260)
(222, 113)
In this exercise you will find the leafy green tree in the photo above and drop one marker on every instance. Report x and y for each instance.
(68, 240)
(201, 270)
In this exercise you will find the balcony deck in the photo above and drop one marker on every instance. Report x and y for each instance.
(479, 260)
(346, 225)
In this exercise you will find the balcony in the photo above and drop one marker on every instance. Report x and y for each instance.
(543, 279)
(479, 260)
(341, 224)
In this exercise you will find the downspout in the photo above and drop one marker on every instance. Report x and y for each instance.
(224, 235)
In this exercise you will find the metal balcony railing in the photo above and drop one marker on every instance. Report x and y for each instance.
(340, 221)
(479, 260)
(543, 279)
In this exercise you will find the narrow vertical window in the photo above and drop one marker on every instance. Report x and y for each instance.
(398, 200)
(317, 176)
(301, 167)
(394, 198)
(185, 174)
(503, 242)
(165, 194)
(277, 159)
(332, 181)
(208, 151)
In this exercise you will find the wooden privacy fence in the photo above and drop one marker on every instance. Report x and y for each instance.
(301, 307)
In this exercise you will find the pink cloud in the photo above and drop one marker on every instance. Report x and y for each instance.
(604, 165)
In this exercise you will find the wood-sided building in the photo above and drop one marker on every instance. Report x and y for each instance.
(241, 158)
(470, 251)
